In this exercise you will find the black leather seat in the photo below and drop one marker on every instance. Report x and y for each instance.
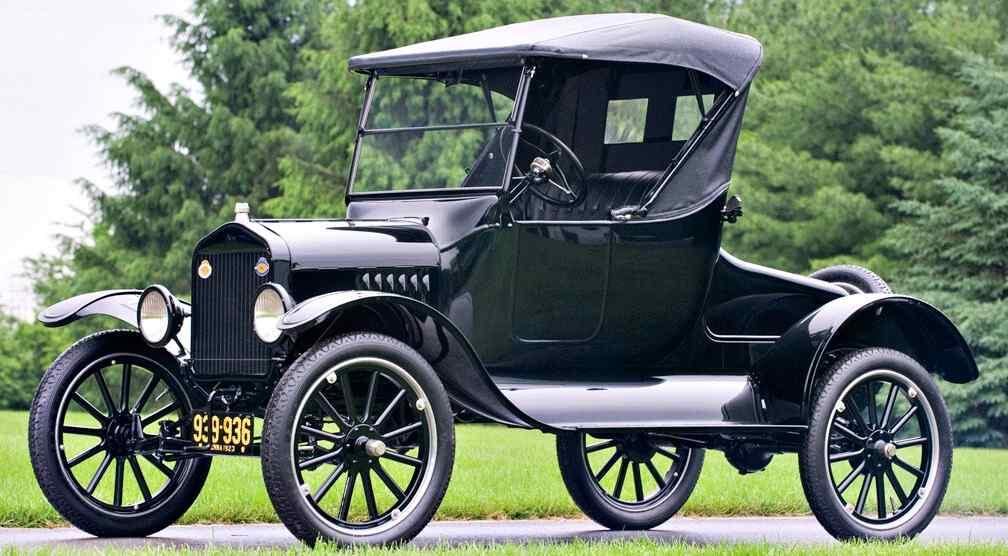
(605, 192)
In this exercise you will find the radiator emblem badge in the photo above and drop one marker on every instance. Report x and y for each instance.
(262, 267)
(205, 270)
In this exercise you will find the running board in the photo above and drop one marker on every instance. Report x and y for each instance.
(682, 402)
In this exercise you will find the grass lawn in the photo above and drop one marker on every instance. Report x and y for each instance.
(502, 473)
(641, 547)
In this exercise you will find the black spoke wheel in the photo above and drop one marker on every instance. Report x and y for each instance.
(875, 463)
(358, 445)
(96, 406)
(628, 481)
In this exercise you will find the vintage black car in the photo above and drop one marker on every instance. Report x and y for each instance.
(533, 237)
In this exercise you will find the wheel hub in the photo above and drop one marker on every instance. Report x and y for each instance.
(879, 450)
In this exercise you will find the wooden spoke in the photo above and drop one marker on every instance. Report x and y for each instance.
(672, 456)
(906, 443)
(157, 415)
(348, 397)
(328, 483)
(402, 458)
(620, 477)
(117, 494)
(655, 474)
(86, 455)
(369, 499)
(344, 509)
(600, 446)
(160, 465)
(403, 430)
(83, 431)
(124, 390)
(897, 487)
(890, 402)
(320, 433)
(319, 460)
(855, 413)
(388, 410)
(105, 394)
(370, 397)
(99, 473)
(843, 456)
(847, 432)
(145, 394)
(389, 482)
(872, 409)
(140, 479)
(608, 465)
(328, 408)
(849, 479)
(90, 408)
(903, 420)
(638, 484)
(880, 497)
(863, 495)
(907, 467)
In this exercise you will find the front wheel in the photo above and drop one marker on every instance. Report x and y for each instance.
(358, 442)
(96, 405)
(628, 481)
(876, 460)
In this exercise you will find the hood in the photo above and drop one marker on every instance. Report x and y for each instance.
(340, 244)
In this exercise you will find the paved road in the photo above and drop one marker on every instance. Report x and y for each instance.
(787, 530)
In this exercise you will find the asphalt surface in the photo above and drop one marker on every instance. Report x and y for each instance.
(699, 531)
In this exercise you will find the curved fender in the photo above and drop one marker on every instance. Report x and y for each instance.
(121, 304)
(787, 373)
(439, 341)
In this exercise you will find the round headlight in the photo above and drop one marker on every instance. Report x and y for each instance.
(158, 316)
(270, 306)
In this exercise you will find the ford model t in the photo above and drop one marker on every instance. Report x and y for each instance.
(533, 236)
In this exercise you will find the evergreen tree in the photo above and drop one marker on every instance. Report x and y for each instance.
(180, 164)
(841, 122)
(955, 241)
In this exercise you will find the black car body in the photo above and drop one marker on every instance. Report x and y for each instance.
(572, 279)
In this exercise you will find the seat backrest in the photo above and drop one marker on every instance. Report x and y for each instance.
(604, 192)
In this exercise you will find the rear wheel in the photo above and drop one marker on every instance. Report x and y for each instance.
(358, 443)
(95, 404)
(853, 278)
(628, 481)
(877, 457)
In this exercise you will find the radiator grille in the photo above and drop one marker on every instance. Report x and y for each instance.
(223, 342)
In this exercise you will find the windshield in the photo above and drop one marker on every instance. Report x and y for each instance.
(437, 131)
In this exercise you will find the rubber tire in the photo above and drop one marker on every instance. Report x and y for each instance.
(846, 275)
(815, 476)
(44, 458)
(599, 508)
(281, 484)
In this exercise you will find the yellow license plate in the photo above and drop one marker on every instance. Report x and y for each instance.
(223, 433)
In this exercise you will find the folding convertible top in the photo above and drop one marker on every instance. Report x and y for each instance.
(730, 57)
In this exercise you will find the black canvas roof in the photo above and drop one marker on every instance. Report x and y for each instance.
(642, 38)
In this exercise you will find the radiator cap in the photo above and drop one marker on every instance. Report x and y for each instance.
(241, 212)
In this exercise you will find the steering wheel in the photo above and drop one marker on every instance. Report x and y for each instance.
(546, 177)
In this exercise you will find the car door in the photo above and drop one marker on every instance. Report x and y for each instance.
(560, 281)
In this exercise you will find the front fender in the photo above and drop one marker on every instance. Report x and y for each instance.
(120, 304)
(431, 333)
(790, 369)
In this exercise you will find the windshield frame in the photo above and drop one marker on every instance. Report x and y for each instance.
(512, 123)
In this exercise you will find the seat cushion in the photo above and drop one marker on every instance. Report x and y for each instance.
(604, 192)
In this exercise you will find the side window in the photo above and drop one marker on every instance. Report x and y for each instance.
(625, 121)
(688, 115)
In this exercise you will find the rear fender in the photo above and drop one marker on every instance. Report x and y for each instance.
(425, 329)
(788, 372)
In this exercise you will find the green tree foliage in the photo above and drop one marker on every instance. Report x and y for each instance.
(841, 121)
(954, 238)
(185, 157)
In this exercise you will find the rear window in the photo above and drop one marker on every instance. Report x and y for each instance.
(626, 120)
